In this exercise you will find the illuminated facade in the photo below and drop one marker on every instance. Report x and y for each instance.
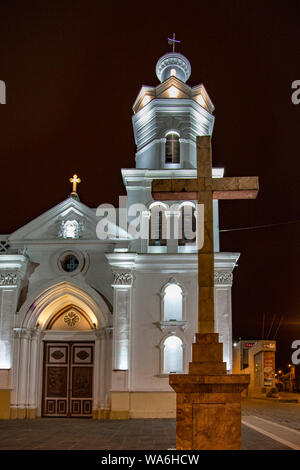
(114, 316)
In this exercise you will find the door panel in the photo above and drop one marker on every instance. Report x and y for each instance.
(68, 379)
(82, 379)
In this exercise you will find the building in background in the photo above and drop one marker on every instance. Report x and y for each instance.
(256, 358)
(288, 381)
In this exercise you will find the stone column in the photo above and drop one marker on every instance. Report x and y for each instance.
(97, 369)
(102, 374)
(107, 384)
(102, 378)
(19, 404)
(33, 374)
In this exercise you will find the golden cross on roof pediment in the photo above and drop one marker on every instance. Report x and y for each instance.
(75, 180)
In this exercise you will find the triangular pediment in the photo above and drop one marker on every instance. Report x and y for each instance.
(51, 225)
(172, 83)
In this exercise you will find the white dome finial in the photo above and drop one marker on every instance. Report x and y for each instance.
(173, 64)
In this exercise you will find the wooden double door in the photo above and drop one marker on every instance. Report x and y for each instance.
(68, 379)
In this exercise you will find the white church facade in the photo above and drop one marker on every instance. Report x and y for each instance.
(92, 327)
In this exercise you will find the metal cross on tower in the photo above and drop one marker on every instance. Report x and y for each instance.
(173, 41)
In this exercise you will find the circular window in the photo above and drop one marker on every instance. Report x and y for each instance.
(70, 263)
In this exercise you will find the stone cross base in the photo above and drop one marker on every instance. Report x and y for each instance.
(208, 400)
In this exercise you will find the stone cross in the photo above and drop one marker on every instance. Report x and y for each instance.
(173, 41)
(208, 400)
(204, 189)
(75, 180)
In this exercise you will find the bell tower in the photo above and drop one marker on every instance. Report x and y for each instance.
(167, 118)
(166, 121)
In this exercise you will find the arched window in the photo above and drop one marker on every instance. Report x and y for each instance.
(172, 148)
(187, 222)
(172, 355)
(157, 226)
(172, 303)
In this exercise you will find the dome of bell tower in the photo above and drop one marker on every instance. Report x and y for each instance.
(173, 64)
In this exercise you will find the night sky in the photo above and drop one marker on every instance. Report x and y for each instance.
(73, 70)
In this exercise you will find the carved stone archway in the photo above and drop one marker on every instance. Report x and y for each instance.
(36, 319)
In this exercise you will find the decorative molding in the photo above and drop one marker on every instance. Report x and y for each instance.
(71, 318)
(163, 323)
(104, 333)
(100, 333)
(4, 246)
(182, 263)
(8, 279)
(223, 277)
(161, 347)
(172, 280)
(108, 332)
(122, 279)
(171, 325)
(64, 225)
(24, 333)
(23, 251)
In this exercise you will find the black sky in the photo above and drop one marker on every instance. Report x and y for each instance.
(73, 70)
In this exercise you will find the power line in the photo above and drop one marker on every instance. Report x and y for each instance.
(271, 326)
(259, 226)
(279, 325)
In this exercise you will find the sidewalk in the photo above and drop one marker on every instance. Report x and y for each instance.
(284, 397)
(287, 437)
(287, 395)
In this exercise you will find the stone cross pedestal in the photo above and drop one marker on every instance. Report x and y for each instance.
(208, 399)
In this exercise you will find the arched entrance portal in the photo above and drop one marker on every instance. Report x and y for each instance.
(68, 367)
(62, 354)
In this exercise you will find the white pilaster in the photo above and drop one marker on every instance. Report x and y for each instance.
(21, 369)
(108, 367)
(223, 319)
(12, 271)
(145, 231)
(33, 370)
(121, 319)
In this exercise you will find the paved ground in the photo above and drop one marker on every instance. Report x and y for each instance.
(287, 414)
(271, 418)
